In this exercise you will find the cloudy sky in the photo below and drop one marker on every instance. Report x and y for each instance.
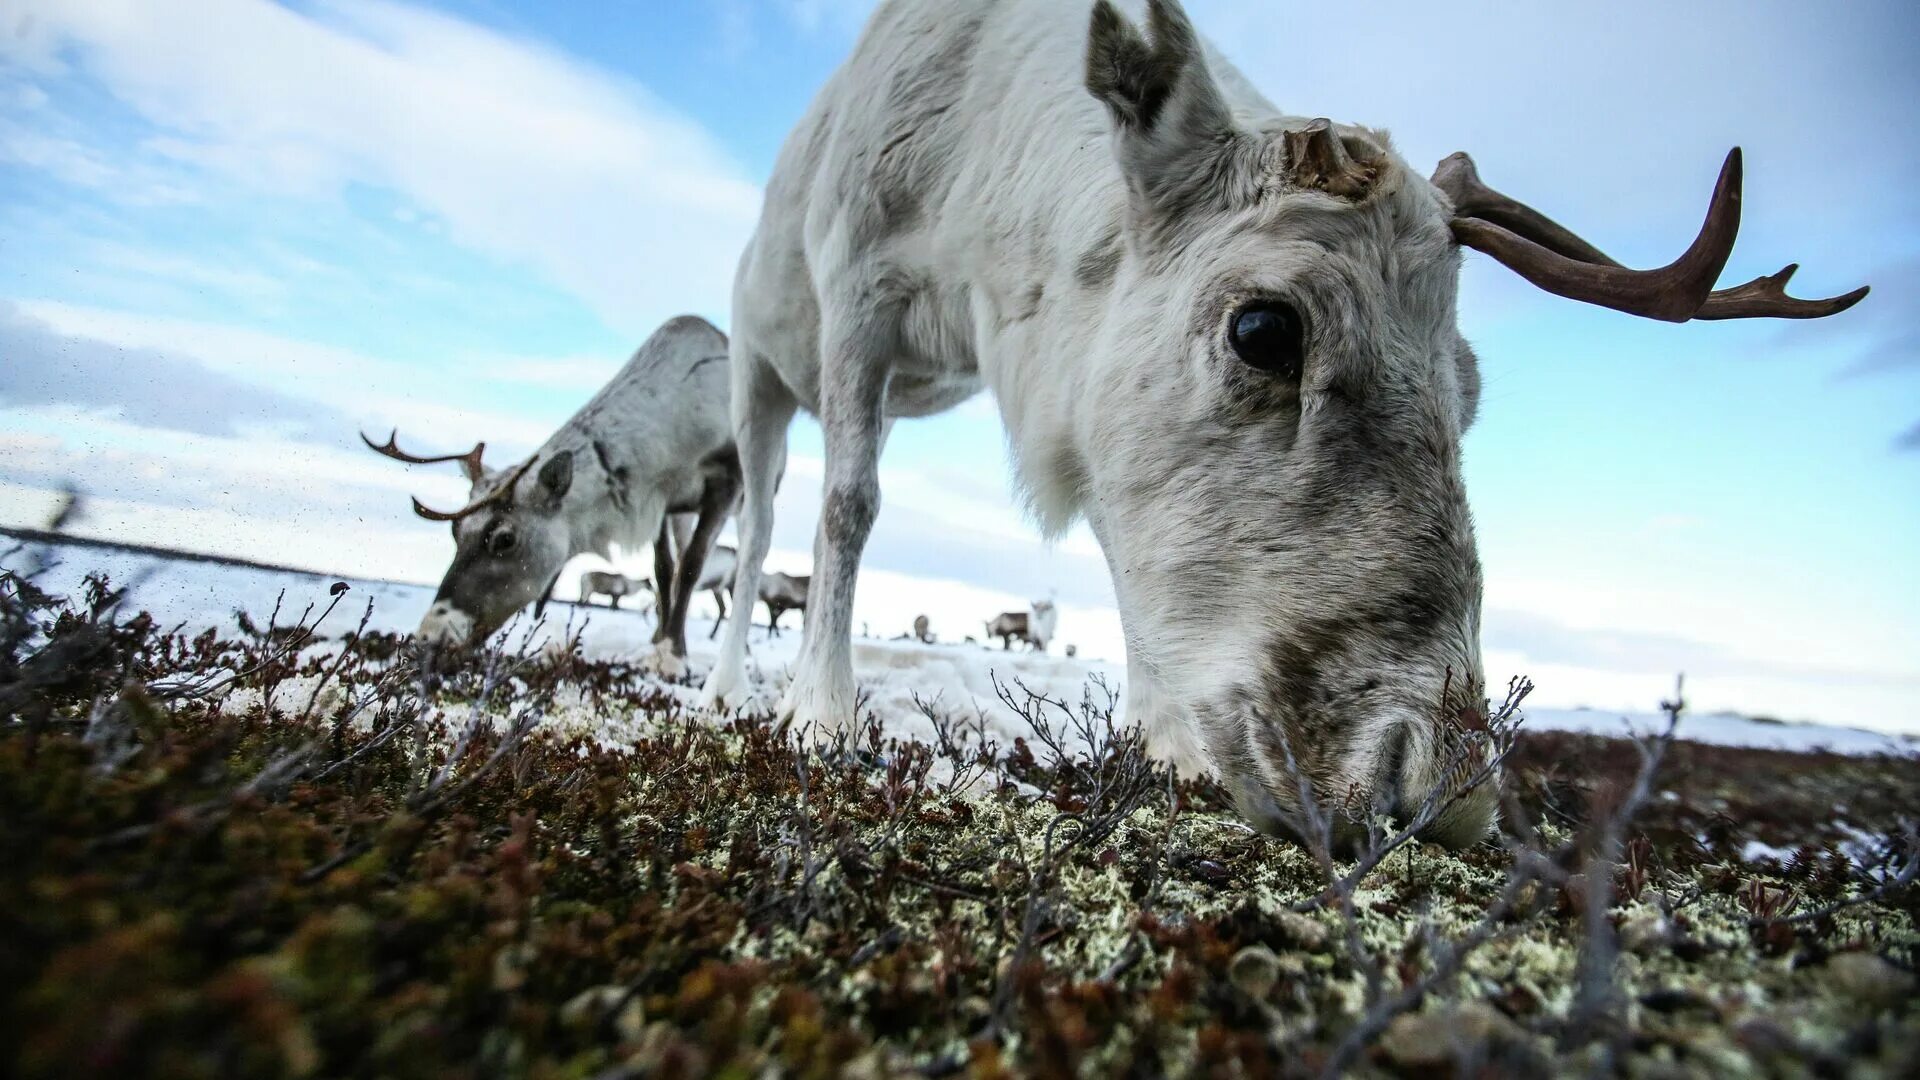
(232, 231)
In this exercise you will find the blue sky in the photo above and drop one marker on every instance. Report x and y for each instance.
(230, 230)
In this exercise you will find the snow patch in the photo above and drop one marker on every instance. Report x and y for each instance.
(893, 675)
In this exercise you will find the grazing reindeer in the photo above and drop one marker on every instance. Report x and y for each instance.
(1033, 627)
(717, 577)
(781, 593)
(653, 442)
(612, 586)
(1007, 626)
(1223, 334)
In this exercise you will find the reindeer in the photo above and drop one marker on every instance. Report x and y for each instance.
(653, 442)
(1042, 619)
(610, 585)
(781, 593)
(1223, 334)
(1007, 626)
(922, 630)
(717, 578)
(1034, 627)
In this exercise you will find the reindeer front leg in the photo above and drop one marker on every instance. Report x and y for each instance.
(762, 409)
(856, 353)
(715, 501)
(662, 581)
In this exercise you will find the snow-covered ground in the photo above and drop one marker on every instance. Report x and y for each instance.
(959, 677)
(1725, 730)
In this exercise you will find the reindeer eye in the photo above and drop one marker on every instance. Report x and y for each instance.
(1270, 336)
(502, 542)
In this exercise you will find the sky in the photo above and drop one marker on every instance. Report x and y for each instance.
(232, 232)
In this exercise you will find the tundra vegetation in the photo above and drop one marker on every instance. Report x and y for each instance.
(258, 854)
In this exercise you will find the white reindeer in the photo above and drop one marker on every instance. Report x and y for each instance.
(1223, 334)
(653, 442)
(1042, 620)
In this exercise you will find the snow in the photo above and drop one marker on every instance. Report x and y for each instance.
(1756, 851)
(959, 677)
(1723, 729)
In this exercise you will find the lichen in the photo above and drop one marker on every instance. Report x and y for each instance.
(540, 866)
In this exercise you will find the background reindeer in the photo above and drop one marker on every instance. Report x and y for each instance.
(1035, 627)
(614, 587)
(654, 441)
(781, 593)
(1008, 626)
(1223, 334)
(717, 578)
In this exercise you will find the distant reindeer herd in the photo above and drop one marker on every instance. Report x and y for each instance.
(1223, 335)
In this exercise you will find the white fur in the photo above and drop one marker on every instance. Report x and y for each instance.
(957, 210)
(654, 441)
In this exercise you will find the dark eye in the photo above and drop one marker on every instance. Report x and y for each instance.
(502, 542)
(1270, 336)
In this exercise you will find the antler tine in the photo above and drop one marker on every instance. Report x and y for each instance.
(1766, 297)
(431, 514)
(1458, 177)
(502, 490)
(1672, 293)
(1763, 297)
(469, 461)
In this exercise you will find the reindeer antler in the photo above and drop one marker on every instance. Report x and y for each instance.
(469, 461)
(1554, 258)
(501, 491)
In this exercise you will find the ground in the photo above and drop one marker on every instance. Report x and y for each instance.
(244, 852)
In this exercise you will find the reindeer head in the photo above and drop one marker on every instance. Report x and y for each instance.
(510, 541)
(1280, 386)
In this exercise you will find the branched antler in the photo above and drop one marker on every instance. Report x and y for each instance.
(469, 461)
(1559, 261)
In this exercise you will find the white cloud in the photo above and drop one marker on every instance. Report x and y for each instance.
(70, 161)
(813, 16)
(257, 289)
(584, 374)
(379, 391)
(523, 153)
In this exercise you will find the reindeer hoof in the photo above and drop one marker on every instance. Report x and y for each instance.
(663, 663)
(724, 690)
(817, 710)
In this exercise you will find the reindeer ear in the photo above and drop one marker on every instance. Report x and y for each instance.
(556, 476)
(1167, 111)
